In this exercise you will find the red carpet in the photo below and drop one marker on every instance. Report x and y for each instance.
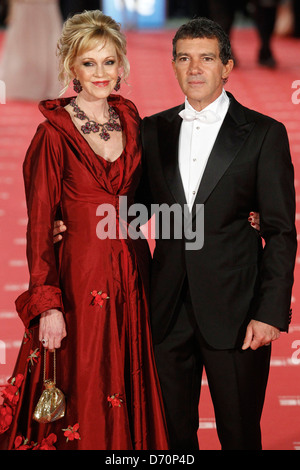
(153, 88)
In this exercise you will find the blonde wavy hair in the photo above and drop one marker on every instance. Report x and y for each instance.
(80, 33)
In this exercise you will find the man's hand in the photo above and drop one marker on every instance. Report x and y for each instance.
(259, 334)
(59, 228)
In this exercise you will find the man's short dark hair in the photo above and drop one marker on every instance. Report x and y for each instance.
(205, 28)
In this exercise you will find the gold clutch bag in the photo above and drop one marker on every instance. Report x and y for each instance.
(52, 404)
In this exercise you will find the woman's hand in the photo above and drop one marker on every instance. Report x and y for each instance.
(52, 328)
(59, 227)
(254, 220)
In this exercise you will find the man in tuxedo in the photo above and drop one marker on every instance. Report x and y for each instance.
(218, 307)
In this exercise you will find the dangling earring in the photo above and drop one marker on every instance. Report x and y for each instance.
(77, 85)
(117, 85)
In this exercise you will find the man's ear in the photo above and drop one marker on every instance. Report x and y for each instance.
(227, 68)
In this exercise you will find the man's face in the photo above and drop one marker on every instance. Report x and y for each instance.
(200, 71)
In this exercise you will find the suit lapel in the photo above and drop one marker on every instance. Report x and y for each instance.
(169, 129)
(233, 133)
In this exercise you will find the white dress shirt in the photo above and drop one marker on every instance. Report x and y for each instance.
(196, 141)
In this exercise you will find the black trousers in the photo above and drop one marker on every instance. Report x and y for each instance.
(237, 382)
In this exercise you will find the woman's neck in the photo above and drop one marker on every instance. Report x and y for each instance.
(96, 109)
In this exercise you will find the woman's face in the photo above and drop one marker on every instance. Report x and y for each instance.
(97, 70)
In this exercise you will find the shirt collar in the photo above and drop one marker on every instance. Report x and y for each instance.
(219, 106)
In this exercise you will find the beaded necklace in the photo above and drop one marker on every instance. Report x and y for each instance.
(93, 126)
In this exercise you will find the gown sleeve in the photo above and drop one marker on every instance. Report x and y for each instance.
(42, 171)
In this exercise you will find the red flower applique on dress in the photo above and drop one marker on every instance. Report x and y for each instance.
(99, 297)
(23, 444)
(6, 416)
(115, 400)
(27, 336)
(47, 443)
(72, 433)
(11, 392)
(33, 357)
(10, 399)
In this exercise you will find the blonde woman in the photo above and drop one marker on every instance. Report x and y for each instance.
(88, 303)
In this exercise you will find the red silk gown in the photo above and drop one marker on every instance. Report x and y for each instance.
(105, 366)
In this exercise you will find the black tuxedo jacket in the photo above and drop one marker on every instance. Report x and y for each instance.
(232, 278)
